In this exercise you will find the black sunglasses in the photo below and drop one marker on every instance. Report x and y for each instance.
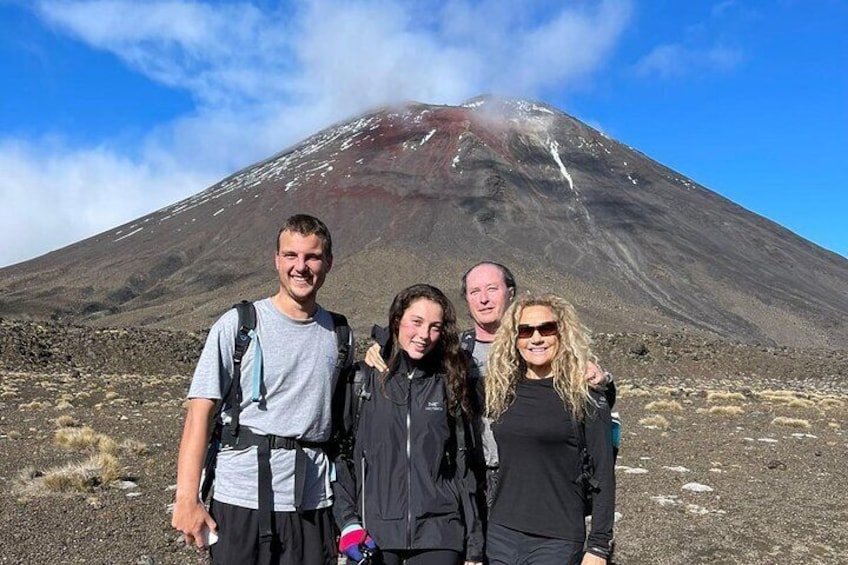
(545, 329)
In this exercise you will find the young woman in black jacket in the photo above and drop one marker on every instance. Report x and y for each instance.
(403, 490)
(539, 403)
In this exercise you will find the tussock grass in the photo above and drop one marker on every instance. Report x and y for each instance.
(133, 447)
(76, 439)
(801, 403)
(828, 403)
(727, 410)
(795, 423)
(105, 444)
(664, 406)
(99, 469)
(655, 421)
(66, 421)
(629, 391)
(34, 405)
(63, 404)
(724, 396)
(778, 396)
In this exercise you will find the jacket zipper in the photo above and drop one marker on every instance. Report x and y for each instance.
(409, 462)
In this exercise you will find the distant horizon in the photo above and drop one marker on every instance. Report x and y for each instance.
(113, 110)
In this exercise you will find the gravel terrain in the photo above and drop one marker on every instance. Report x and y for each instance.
(755, 476)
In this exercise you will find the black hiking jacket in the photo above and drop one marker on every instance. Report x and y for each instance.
(403, 478)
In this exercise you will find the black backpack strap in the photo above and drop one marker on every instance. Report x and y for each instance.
(342, 329)
(467, 340)
(231, 396)
(587, 468)
(362, 392)
(246, 326)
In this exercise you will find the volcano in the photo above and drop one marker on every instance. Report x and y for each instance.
(417, 193)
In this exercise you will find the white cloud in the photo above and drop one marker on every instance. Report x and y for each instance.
(674, 60)
(263, 78)
(68, 194)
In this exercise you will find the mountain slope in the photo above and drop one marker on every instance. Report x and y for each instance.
(418, 193)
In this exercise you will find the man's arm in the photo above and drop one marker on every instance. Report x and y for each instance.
(190, 515)
(601, 381)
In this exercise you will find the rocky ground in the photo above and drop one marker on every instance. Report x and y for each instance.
(731, 453)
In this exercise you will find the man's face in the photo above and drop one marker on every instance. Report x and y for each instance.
(301, 265)
(487, 295)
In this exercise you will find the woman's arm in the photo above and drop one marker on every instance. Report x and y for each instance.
(345, 419)
(598, 427)
(466, 482)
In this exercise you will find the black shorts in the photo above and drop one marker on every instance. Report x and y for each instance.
(505, 546)
(300, 538)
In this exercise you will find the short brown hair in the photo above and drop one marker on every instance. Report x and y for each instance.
(304, 224)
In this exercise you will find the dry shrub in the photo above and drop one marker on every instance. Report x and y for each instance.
(726, 410)
(801, 403)
(76, 438)
(133, 446)
(8, 394)
(34, 405)
(796, 423)
(66, 421)
(63, 405)
(723, 396)
(111, 395)
(105, 444)
(778, 396)
(99, 469)
(656, 421)
(828, 403)
(83, 394)
(630, 391)
(664, 406)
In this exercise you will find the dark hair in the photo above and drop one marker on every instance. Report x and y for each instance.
(447, 357)
(304, 224)
(509, 279)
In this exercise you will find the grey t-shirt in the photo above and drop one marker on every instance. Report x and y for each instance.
(481, 362)
(298, 362)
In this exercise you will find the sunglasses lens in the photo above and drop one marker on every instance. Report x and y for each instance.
(548, 328)
(545, 330)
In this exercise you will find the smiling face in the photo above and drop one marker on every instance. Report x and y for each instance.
(487, 296)
(302, 267)
(537, 350)
(420, 328)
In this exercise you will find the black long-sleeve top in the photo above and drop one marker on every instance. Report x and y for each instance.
(540, 460)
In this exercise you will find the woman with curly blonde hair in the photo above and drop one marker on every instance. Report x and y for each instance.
(540, 404)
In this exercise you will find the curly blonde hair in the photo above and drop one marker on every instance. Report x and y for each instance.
(506, 367)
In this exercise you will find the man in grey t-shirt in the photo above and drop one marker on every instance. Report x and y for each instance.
(287, 380)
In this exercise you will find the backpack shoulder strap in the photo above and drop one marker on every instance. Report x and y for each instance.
(343, 333)
(467, 340)
(587, 468)
(244, 335)
(362, 392)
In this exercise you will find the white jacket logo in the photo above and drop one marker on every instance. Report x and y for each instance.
(434, 406)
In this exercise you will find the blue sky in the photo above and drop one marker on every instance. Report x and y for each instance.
(112, 109)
